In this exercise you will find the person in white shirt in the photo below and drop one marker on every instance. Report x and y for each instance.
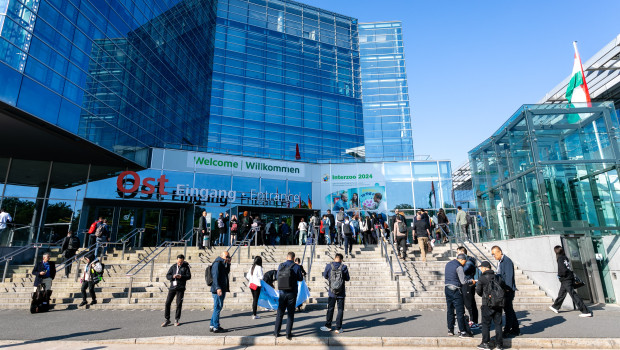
(255, 276)
(4, 218)
(303, 231)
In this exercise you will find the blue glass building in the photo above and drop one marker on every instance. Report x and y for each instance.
(285, 74)
(387, 119)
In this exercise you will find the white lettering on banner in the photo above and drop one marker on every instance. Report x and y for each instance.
(244, 165)
(262, 197)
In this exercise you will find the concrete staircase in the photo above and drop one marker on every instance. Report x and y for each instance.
(371, 286)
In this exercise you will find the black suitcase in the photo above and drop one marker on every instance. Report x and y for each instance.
(40, 300)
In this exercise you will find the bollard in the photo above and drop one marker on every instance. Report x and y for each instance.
(129, 290)
(398, 291)
(152, 268)
(6, 267)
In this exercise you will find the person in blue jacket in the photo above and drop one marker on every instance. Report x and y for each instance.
(506, 269)
(334, 298)
(219, 271)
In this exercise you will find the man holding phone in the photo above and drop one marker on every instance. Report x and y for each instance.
(178, 274)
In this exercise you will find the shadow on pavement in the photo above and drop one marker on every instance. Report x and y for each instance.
(58, 337)
(540, 326)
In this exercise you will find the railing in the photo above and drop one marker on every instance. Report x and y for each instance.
(6, 259)
(315, 238)
(150, 259)
(458, 238)
(252, 235)
(33, 229)
(394, 276)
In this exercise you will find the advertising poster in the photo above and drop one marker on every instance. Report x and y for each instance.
(356, 188)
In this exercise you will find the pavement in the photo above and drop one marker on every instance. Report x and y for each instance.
(109, 329)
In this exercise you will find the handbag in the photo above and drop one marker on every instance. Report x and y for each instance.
(253, 286)
(577, 282)
(429, 247)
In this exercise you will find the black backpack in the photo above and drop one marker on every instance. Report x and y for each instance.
(346, 229)
(402, 227)
(209, 275)
(286, 279)
(336, 280)
(495, 293)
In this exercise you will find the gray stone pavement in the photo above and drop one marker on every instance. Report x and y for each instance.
(80, 325)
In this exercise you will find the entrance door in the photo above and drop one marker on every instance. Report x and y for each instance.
(169, 229)
(151, 227)
(126, 222)
(580, 252)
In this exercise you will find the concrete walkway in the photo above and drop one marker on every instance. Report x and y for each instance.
(425, 328)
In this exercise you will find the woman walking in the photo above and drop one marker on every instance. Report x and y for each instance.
(234, 229)
(255, 276)
(567, 279)
(442, 220)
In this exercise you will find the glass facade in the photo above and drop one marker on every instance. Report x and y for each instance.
(124, 74)
(387, 118)
(285, 74)
(550, 169)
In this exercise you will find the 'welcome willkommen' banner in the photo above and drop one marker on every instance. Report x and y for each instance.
(244, 165)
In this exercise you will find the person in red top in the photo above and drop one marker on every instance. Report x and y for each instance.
(91, 232)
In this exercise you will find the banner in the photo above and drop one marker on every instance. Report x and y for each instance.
(269, 297)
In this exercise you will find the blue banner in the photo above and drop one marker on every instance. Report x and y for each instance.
(269, 297)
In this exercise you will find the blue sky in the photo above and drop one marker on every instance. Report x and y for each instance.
(471, 64)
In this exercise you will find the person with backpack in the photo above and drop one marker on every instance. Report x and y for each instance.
(332, 226)
(89, 278)
(422, 234)
(255, 276)
(468, 290)
(285, 233)
(315, 222)
(337, 274)
(340, 216)
(444, 228)
(222, 228)
(489, 287)
(234, 229)
(288, 275)
(506, 270)
(178, 275)
(102, 235)
(348, 233)
(325, 224)
(219, 272)
(91, 231)
(246, 224)
(400, 234)
(567, 281)
(454, 280)
(70, 246)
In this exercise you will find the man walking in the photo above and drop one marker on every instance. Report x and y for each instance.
(469, 290)
(422, 233)
(222, 229)
(332, 226)
(178, 275)
(219, 271)
(4, 219)
(484, 288)
(102, 234)
(506, 269)
(400, 234)
(70, 246)
(88, 280)
(202, 228)
(339, 225)
(336, 273)
(288, 275)
(461, 221)
(454, 279)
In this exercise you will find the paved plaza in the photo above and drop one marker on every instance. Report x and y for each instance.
(369, 328)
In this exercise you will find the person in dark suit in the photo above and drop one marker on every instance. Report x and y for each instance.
(202, 229)
(70, 246)
(506, 269)
(44, 272)
(288, 275)
(178, 275)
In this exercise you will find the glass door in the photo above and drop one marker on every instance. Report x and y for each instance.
(169, 228)
(151, 227)
(126, 222)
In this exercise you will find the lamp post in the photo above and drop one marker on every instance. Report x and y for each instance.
(74, 207)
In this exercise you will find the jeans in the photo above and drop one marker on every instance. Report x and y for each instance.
(331, 303)
(90, 285)
(218, 304)
(567, 287)
(99, 249)
(494, 315)
(348, 244)
(303, 235)
(454, 301)
(469, 291)
(338, 239)
(255, 296)
(512, 324)
(401, 243)
(179, 295)
(287, 302)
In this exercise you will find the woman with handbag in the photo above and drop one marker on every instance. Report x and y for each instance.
(255, 276)
(568, 285)
(234, 229)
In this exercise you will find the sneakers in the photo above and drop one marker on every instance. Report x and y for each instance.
(465, 335)
(325, 329)
(166, 323)
(83, 303)
(211, 329)
(220, 330)
(588, 314)
(554, 309)
(256, 317)
(339, 331)
(451, 333)
(484, 346)
(498, 348)
(177, 323)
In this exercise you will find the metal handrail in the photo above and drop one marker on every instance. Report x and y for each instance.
(464, 243)
(247, 239)
(13, 229)
(312, 254)
(9, 257)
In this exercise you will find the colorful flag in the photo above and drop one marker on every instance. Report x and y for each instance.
(577, 90)
(309, 202)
